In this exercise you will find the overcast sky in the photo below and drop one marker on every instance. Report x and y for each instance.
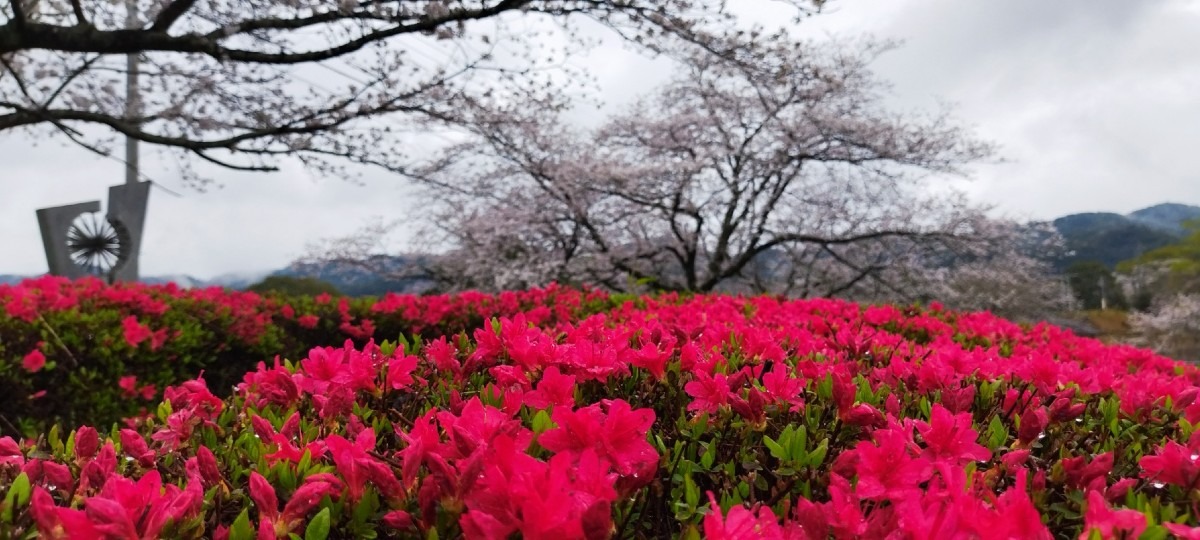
(1093, 103)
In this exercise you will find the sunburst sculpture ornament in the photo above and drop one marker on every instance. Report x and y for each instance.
(98, 244)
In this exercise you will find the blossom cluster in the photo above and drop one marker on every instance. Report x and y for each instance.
(663, 416)
(81, 351)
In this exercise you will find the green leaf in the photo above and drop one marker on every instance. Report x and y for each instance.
(987, 393)
(18, 495)
(1187, 427)
(699, 425)
(164, 410)
(318, 527)
(997, 433)
(1154, 532)
(825, 388)
(798, 447)
(775, 448)
(241, 529)
(542, 422)
(56, 443)
(817, 456)
(691, 492)
(366, 507)
(305, 462)
(70, 447)
(710, 454)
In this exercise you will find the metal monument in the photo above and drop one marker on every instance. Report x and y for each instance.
(79, 241)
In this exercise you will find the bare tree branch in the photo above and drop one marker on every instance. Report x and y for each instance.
(77, 9)
(252, 77)
(170, 14)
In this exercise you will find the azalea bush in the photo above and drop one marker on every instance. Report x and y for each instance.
(662, 417)
(84, 352)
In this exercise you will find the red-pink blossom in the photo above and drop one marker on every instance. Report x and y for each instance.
(34, 361)
(950, 437)
(617, 434)
(740, 524)
(554, 389)
(708, 393)
(1174, 464)
(135, 332)
(1123, 523)
(308, 321)
(1033, 424)
(887, 469)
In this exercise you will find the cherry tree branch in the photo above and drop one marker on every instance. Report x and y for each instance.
(170, 14)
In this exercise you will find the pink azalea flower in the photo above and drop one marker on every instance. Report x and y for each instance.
(951, 437)
(1183, 532)
(276, 524)
(887, 469)
(400, 369)
(708, 392)
(554, 389)
(619, 435)
(34, 361)
(135, 332)
(1174, 464)
(308, 321)
(1110, 523)
(740, 524)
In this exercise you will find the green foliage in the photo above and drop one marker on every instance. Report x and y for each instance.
(1166, 271)
(1095, 286)
(293, 286)
(1111, 323)
(1181, 258)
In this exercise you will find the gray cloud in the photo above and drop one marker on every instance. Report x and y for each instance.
(1092, 102)
(1089, 100)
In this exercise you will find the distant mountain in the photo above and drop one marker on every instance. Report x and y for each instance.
(239, 280)
(182, 280)
(1085, 223)
(1111, 238)
(356, 280)
(1167, 216)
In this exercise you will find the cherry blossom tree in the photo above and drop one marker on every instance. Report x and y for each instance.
(776, 170)
(1171, 327)
(245, 84)
(783, 152)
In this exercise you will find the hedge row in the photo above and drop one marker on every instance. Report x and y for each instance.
(668, 417)
(81, 351)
